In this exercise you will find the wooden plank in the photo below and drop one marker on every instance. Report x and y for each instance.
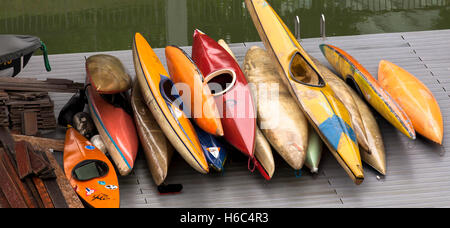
(23, 160)
(29, 123)
(32, 84)
(9, 188)
(45, 197)
(42, 144)
(69, 194)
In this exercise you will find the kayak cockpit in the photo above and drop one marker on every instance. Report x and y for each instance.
(221, 81)
(90, 169)
(302, 71)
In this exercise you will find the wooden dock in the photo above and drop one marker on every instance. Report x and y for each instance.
(417, 171)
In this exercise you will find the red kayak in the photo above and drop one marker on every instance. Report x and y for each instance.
(117, 129)
(230, 90)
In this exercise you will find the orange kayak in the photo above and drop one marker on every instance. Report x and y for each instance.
(90, 172)
(185, 74)
(415, 99)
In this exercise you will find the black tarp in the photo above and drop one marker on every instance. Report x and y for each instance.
(12, 48)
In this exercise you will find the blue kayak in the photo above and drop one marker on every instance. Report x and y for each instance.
(214, 151)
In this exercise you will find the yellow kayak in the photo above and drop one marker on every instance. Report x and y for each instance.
(326, 113)
(369, 88)
(157, 89)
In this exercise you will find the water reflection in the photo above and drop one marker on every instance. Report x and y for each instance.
(85, 25)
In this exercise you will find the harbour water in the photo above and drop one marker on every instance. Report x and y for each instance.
(69, 26)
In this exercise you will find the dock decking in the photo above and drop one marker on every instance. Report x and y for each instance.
(417, 171)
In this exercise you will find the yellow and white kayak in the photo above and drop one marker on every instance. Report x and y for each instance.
(326, 113)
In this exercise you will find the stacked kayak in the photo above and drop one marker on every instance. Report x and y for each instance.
(415, 98)
(232, 95)
(115, 125)
(157, 148)
(354, 73)
(90, 172)
(325, 112)
(164, 102)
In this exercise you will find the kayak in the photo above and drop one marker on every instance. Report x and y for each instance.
(263, 160)
(415, 98)
(157, 148)
(375, 155)
(230, 89)
(108, 75)
(214, 151)
(188, 79)
(157, 90)
(115, 126)
(342, 92)
(372, 150)
(355, 74)
(285, 125)
(325, 112)
(314, 151)
(90, 172)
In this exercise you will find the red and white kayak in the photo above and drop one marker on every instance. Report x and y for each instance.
(229, 87)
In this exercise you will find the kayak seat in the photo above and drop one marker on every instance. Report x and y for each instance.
(221, 81)
(301, 71)
(90, 169)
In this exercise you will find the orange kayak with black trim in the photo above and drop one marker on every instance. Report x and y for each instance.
(184, 73)
(90, 172)
(415, 98)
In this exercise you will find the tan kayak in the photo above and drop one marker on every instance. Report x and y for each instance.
(281, 120)
(108, 75)
(364, 123)
(158, 150)
(342, 92)
(264, 157)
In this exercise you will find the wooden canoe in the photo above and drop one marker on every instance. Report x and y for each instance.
(90, 172)
(156, 89)
(325, 112)
(108, 74)
(157, 148)
(372, 151)
(230, 89)
(285, 125)
(415, 99)
(354, 73)
(189, 80)
(116, 127)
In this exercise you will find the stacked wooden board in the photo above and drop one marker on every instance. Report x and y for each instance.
(31, 178)
(30, 112)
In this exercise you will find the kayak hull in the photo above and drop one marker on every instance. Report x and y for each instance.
(314, 151)
(372, 150)
(214, 151)
(152, 76)
(100, 192)
(157, 148)
(280, 119)
(324, 111)
(117, 129)
(184, 73)
(374, 94)
(415, 99)
(263, 160)
(235, 106)
(108, 75)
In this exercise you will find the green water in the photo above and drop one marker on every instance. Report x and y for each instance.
(101, 25)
